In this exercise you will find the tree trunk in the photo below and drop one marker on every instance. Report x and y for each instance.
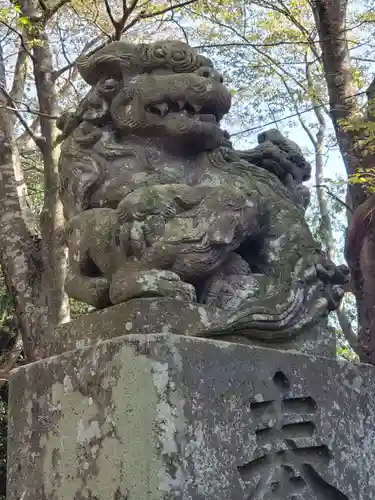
(52, 219)
(330, 18)
(19, 238)
(327, 236)
(53, 251)
(33, 264)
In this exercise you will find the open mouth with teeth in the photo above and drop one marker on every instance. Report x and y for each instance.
(193, 111)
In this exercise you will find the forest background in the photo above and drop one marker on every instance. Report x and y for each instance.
(303, 66)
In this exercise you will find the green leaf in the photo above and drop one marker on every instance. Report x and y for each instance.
(24, 20)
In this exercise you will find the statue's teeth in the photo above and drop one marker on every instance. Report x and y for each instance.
(161, 107)
(181, 104)
(196, 107)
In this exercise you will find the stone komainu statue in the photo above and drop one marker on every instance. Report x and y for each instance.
(159, 204)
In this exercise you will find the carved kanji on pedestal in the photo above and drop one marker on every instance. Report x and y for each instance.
(289, 453)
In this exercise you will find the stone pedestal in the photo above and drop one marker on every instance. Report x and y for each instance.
(149, 417)
(165, 315)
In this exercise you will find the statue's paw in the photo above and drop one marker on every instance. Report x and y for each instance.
(93, 291)
(149, 283)
(230, 291)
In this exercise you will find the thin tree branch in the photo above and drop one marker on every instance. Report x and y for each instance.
(181, 28)
(19, 79)
(20, 72)
(24, 138)
(127, 12)
(348, 332)
(286, 117)
(332, 195)
(22, 41)
(167, 9)
(34, 167)
(265, 55)
(43, 5)
(110, 15)
(2, 65)
(318, 142)
(265, 44)
(56, 74)
(299, 114)
(92, 22)
(123, 27)
(37, 139)
(52, 11)
(28, 110)
(317, 103)
(133, 5)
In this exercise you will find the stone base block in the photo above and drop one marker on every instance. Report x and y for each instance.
(165, 315)
(146, 417)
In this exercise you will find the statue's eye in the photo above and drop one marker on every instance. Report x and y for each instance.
(179, 55)
(159, 52)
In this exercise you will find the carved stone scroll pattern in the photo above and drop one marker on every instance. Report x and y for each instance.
(289, 450)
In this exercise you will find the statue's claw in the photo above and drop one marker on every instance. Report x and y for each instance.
(149, 283)
(94, 291)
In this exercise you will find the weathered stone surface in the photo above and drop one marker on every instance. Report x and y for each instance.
(146, 417)
(148, 316)
(160, 204)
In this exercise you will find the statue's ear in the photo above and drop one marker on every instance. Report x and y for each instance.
(262, 137)
(273, 135)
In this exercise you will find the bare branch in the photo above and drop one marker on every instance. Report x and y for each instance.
(299, 114)
(34, 168)
(318, 104)
(55, 8)
(133, 5)
(37, 139)
(24, 138)
(120, 25)
(110, 15)
(180, 27)
(19, 80)
(2, 66)
(28, 110)
(267, 44)
(22, 41)
(318, 142)
(56, 74)
(20, 73)
(167, 9)
(332, 195)
(286, 117)
(59, 72)
(43, 5)
(265, 55)
(127, 12)
(92, 21)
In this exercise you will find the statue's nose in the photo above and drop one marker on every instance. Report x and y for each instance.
(208, 72)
